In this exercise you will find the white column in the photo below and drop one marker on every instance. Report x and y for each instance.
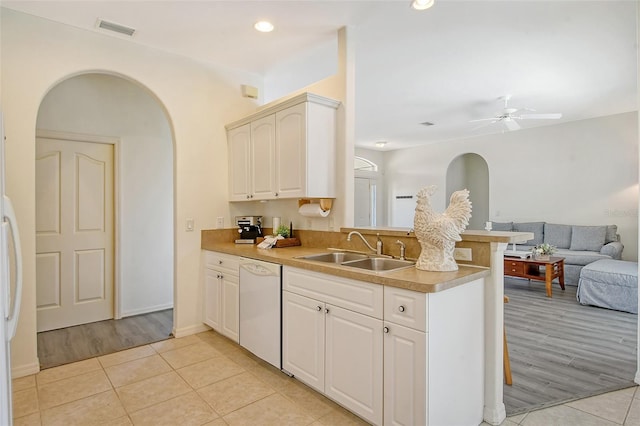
(494, 410)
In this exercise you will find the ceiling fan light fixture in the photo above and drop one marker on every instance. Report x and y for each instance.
(422, 4)
(263, 26)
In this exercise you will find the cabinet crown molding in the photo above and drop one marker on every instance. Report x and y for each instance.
(279, 105)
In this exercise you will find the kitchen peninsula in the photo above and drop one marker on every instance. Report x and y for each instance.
(406, 346)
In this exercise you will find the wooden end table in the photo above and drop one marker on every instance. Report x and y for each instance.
(530, 268)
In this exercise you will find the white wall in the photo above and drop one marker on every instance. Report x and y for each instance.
(104, 105)
(581, 173)
(198, 100)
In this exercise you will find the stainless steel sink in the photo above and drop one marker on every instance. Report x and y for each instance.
(379, 264)
(336, 257)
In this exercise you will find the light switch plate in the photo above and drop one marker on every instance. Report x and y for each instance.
(219, 222)
(461, 253)
(189, 225)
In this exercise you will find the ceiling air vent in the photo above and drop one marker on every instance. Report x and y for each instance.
(427, 123)
(117, 28)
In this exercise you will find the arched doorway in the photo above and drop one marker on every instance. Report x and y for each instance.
(471, 171)
(103, 109)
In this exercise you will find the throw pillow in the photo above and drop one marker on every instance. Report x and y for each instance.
(589, 238)
(536, 227)
(502, 226)
(612, 234)
(557, 235)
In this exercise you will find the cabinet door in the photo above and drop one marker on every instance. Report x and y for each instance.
(230, 306)
(354, 364)
(212, 298)
(405, 376)
(291, 152)
(303, 339)
(239, 145)
(263, 161)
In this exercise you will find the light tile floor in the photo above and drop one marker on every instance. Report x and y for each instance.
(205, 379)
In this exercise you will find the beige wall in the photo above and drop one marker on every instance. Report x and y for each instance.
(36, 55)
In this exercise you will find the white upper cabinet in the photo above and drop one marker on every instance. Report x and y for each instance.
(285, 151)
(263, 163)
(239, 143)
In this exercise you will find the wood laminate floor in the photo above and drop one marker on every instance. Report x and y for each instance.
(561, 350)
(66, 345)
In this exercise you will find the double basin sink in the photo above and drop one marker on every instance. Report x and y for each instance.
(362, 261)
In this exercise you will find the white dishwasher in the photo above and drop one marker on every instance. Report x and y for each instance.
(260, 309)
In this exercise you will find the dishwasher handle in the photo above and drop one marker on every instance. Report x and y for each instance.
(260, 270)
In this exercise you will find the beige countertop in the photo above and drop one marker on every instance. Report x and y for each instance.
(409, 278)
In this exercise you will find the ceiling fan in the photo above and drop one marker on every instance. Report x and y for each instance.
(508, 116)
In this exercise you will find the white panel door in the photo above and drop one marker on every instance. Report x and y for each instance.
(263, 147)
(230, 294)
(291, 151)
(362, 202)
(405, 376)
(239, 146)
(303, 339)
(74, 232)
(353, 363)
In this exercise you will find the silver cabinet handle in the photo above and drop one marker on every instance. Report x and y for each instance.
(401, 308)
(319, 308)
(385, 329)
(219, 262)
(221, 276)
(276, 194)
(326, 310)
(248, 196)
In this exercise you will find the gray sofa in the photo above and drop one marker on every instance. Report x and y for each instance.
(579, 245)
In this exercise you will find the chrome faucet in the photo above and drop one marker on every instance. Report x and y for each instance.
(377, 250)
(403, 247)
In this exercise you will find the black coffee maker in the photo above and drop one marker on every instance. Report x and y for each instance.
(249, 228)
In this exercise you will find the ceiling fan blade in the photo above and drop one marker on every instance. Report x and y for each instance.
(483, 119)
(549, 116)
(511, 124)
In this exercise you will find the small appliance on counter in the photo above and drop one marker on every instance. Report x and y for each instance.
(249, 228)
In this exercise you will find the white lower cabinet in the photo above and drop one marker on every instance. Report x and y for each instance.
(222, 294)
(336, 351)
(303, 329)
(405, 375)
(353, 362)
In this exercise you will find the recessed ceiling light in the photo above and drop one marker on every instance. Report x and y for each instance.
(381, 144)
(263, 26)
(422, 4)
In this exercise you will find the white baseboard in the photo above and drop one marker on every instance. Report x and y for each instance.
(192, 329)
(25, 370)
(146, 310)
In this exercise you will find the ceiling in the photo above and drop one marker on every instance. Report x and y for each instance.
(446, 65)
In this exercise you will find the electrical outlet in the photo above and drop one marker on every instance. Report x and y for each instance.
(460, 253)
(219, 222)
(189, 225)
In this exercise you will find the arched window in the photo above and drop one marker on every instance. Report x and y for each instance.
(362, 164)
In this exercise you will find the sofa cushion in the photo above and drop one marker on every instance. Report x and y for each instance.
(557, 235)
(612, 234)
(579, 258)
(502, 226)
(590, 238)
(536, 227)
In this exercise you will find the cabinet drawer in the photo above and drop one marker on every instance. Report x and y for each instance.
(406, 307)
(358, 296)
(222, 262)
(513, 268)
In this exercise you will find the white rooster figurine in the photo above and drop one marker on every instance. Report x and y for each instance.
(438, 232)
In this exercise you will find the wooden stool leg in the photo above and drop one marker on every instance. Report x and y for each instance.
(507, 362)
